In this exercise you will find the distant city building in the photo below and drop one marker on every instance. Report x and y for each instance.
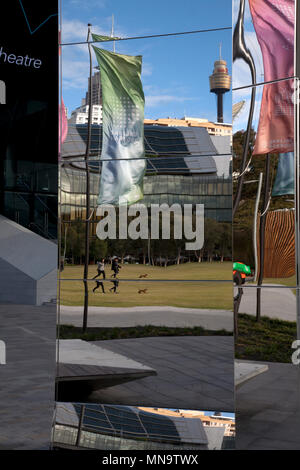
(96, 91)
(213, 420)
(80, 115)
(213, 128)
(221, 421)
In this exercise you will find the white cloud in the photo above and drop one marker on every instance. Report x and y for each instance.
(158, 100)
(146, 69)
(85, 5)
(73, 30)
(75, 58)
(76, 30)
(75, 74)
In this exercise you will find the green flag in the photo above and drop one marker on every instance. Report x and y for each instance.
(99, 38)
(123, 151)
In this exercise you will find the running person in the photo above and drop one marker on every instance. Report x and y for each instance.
(100, 269)
(98, 284)
(115, 267)
(116, 283)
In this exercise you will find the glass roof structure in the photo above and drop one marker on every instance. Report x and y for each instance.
(130, 423)
(177, 150)
(185, 165)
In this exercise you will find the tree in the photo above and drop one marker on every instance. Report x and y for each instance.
(98, 249)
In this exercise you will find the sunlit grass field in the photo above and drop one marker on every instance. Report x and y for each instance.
(213, 295)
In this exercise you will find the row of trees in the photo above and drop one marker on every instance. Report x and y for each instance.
(217, 246)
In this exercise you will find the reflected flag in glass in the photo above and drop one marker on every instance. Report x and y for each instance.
(284, 181)
(273, 21)
(123, 153)
(63, 125)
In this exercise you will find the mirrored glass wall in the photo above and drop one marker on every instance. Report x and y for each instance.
(145, 315)
(264, 247)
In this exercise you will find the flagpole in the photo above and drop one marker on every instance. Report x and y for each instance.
(240, 51)
(255, 225)
(262, 225)
(87, 194)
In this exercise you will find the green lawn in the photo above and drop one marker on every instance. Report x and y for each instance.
(268, 340)
(178, 294)
(285, 281)
(208, 271)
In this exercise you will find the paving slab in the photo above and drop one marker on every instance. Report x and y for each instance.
(76, 380)
(244, 371)
(268, 409)
(27, 380)
(109, 317)
(194, 372)
(84, 367)
(77, 351)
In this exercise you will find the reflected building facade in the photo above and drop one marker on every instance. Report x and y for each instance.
(185, 165)
(115, 427)
(28, 194)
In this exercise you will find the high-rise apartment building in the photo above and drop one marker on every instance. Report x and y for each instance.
(80, 115)
(96, 90)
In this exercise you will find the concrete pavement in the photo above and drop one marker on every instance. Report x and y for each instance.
(76, 351)
(193, 372)
(268, 409)
(276, 302)
(140, 316)
(244, 371)
(27, 380)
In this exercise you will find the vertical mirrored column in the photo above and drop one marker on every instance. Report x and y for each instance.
(267, 375)
(146, 315)
(28, 222)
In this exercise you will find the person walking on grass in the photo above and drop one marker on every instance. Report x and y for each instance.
(100, 269)
(99, 284)
(115, 267)
(114, 288)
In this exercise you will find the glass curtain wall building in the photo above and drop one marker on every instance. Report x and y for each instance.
(184, 165)
(157, 280)
(28, 170)
(113, 427)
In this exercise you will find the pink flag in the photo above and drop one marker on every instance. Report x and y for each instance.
(63, 125)
(274, 25)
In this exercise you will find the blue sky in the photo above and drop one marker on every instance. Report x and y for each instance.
(175, 69)
(228, 415)
(241, 71)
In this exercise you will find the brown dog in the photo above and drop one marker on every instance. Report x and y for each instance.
(143, 275)
(142, 291)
